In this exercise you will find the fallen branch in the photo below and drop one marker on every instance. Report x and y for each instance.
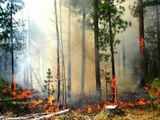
(52, 114)
(18, 118)
(37, 116)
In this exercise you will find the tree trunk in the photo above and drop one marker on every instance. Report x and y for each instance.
(158, 35)
(97, 56)
(58, 49)
(113, 84)
(69, 54)
(13, 86)
(141, 41)
(83, 53)
(62, 55)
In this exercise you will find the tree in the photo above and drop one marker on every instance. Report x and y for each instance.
(97, 11)
(96, 40)
(118, 25)
(48, 87)
(10, 36)
(158, 33)
(69, 54)
(149, 36)
(58, 51)
(63, 76)
(83, 7)
(9, 26)
(111, 23)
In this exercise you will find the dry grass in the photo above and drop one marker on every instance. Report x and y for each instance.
(130, 114)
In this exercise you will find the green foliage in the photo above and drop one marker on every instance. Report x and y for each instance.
(154, 90)
(156, 83)
(2, 84)
(102, 116)
(8, 20)
(118, 25)
(48, 86)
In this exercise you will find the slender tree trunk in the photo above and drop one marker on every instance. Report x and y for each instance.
(97, 62)
(124, 59)
(58, 49)
(141, 26)
(83, 53)
(158, 35)
(141, 41)
(114, 84)
(62, 54)
(13, 86)
(69, 54)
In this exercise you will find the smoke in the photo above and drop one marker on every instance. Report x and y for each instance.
(40, 53)
(128, 57)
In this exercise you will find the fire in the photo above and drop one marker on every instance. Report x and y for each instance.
(141, 44)
(114, 89)
(142, 101)
(93, 108)
(13, 87)
(125, 104)
(23, 94)
(50, 100)
(35, 103)
(51, 108)
(89, 109)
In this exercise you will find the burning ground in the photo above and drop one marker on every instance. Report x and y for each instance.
(141, 105)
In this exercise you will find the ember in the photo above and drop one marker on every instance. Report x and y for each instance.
(142, 45)
(24, 94)
(141, 101)
(114, 89)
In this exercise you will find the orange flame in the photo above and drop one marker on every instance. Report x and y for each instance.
(114, 89)
(142, 101)
(141, 43)
(24, 94)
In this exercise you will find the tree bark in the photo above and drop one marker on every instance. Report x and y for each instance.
(62, 55)
(13, 86)
(97, 56)
(83, 53)
(69, 54)
(114, 85)
(58, 49)
(158, 35)
(141, 41)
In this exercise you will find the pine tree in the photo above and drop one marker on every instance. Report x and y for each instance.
(10, 36)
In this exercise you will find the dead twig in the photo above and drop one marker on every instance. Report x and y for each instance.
(37, 116)
(52, 114)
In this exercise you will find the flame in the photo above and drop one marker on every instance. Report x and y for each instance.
(141, 45)
(23, 94)
(142, 101)
(114, 89)
(50, 100)
(13, 87)
(35, 103)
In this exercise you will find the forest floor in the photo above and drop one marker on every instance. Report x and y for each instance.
(140, 109)
(143, 112)
(129, 114)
